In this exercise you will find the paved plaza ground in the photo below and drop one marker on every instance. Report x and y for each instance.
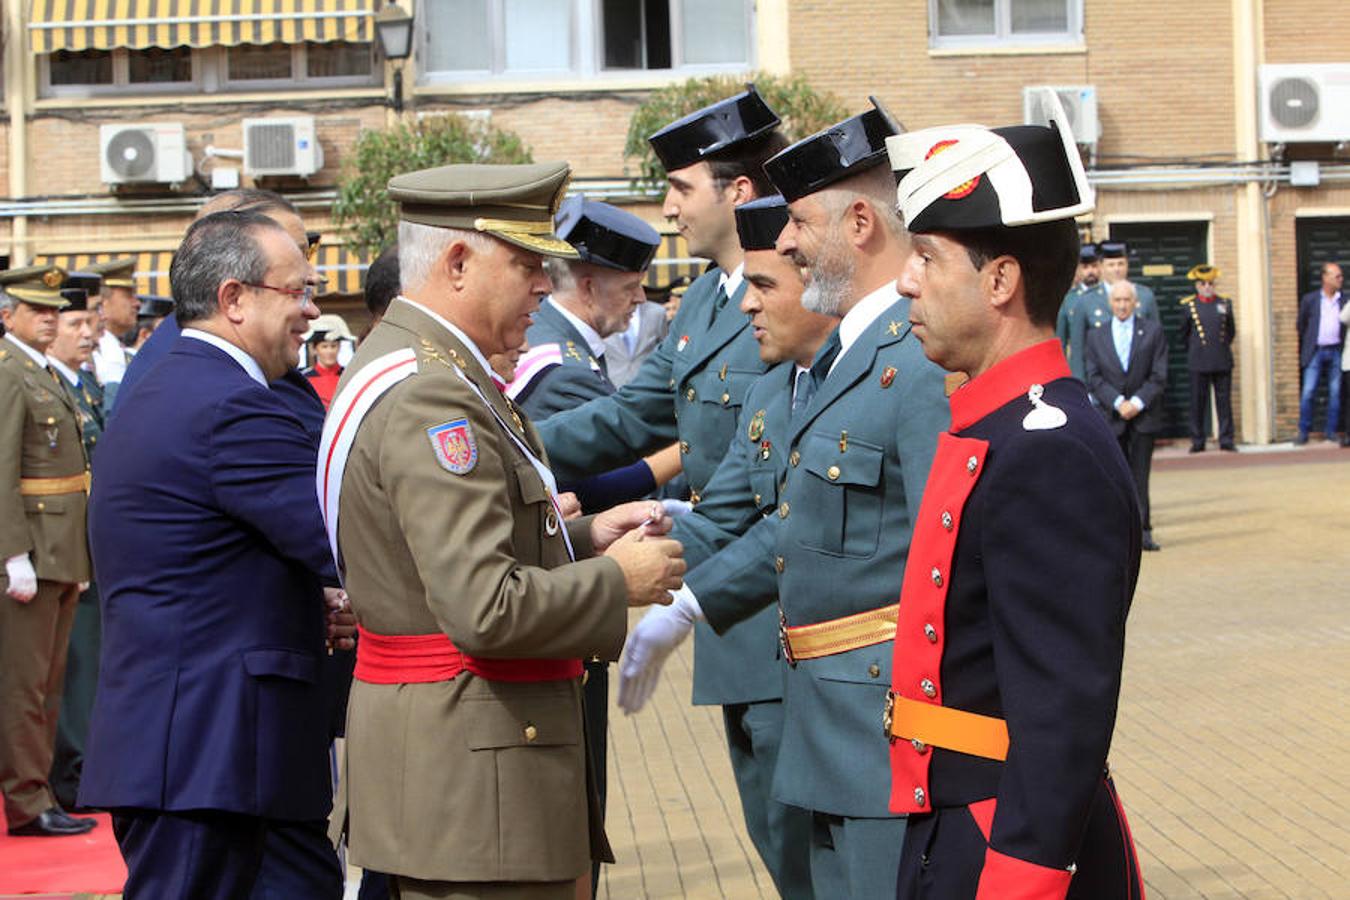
(1232, 750)
(1232, 747)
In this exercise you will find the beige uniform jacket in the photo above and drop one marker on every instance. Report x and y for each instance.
(40, 438)
(465, 780)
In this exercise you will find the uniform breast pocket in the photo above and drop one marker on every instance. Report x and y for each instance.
(841, 493)
(533, 530)
(764, 488)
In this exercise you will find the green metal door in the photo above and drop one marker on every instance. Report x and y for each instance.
(1321, 240)
(1161, 253)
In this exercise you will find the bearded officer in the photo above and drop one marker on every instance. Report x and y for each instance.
(858, 457)
(42, 541)
(1011, 627)
(1116, 267)
(1084, 305)
(465, 765)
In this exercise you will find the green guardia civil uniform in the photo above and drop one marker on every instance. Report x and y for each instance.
(1083, 308)
(692, 389)
(858, 457)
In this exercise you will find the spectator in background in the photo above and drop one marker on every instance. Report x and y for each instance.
(153, 311)
(626, 350)
(1127, 373)
(1345, 366)
(325, 343)
(1321, 338)
(1116, 267)
(381, 286)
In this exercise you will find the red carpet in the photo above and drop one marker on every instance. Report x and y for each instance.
(87, 863)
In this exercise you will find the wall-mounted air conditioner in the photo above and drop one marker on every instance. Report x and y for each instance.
(281, 146)
(144, 154)
(1079, 102)
(1305, 102)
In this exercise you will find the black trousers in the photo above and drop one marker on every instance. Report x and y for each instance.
(1222, 385)
(944, 853)
(1138, 450)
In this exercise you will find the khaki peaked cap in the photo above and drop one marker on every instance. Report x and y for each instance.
(115, 272)
(38, 285)
(516, 203)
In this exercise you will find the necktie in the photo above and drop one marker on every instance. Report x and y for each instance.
(804, 391)
(604, 366)
(825, 358)
(1123, 345)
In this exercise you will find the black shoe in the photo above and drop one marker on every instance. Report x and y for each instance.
(1230, 448)
(1300, 440)
(1148, 543)
(53, 823)
(1197, 448)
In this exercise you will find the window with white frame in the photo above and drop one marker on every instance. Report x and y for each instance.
(84, 73)
(976, 23)
(570, 38)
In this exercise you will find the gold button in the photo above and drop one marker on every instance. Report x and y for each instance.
(929, 689)
(757, 499)
(832, 473)
(946, 520)
(672, 384)
(931, 633)
(41, 506)
(874, 670)
(684, 446)
(531, 732)
(793, 458)
(780, 564)
(51, 420)
(937, 577)
(783, 510)
(689, 395)
(726, 398)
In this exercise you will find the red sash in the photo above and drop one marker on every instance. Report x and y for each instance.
(426, 658)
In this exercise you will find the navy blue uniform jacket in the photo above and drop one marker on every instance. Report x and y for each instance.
(211, 554)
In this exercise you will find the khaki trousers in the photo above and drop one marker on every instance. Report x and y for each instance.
(33, 642)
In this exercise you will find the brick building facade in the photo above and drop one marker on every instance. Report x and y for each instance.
(1179, 163)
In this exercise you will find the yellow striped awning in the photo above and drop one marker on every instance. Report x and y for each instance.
(341, 268)
(138, 24)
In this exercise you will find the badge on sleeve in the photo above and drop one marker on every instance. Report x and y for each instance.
(1043, 416)
(454, 445)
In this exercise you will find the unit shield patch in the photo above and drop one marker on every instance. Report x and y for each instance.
(454, 445)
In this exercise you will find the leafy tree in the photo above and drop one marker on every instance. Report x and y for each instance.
(363, 205)
(803, 109)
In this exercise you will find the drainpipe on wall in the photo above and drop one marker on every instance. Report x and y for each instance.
(1255, 335)
(772, 54)
(18, 62)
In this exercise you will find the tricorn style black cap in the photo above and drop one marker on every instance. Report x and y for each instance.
(154, 306)
(713, 129)
(854, 145)
(77, 287)
(759, 222)
(1087, 253)
(606, 235)
(1114, 249)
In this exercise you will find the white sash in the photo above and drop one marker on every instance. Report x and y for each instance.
(344, 420)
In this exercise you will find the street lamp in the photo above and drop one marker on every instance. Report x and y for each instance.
(394, 27)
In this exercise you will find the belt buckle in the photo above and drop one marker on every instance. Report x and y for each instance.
(783, 637)
(888, 716)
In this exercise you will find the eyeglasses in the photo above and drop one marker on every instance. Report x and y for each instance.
(305, 294)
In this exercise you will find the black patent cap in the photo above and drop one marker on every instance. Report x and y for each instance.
(76, 288)
(713, 130)
(153, 306)
(759, 222)
(854, 145)
(606, 235)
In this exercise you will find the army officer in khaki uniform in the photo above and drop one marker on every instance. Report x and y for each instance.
(466, 769)
(43, 493)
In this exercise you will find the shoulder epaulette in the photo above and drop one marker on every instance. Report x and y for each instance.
(1190, 298)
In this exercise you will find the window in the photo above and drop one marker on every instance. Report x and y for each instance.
(976, 23)
(571, 38)
(247, 67)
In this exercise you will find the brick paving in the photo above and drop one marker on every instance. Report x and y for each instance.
(1232, 749)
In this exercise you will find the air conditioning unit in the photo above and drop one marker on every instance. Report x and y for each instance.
(1079, 102)
(144, 154)
(281, 146)
(1305, 102)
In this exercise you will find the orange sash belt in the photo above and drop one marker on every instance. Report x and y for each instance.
(426, 658)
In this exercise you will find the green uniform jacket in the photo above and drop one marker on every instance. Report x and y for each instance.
(725, 543)
(469, 779)
(578, 378)
(1083, 308)
(690, 388)
(88, 396)
(862, 449)
(40, 438)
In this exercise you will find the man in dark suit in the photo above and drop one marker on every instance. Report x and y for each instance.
(1127, 372)
(209, 731)
(1320, 338)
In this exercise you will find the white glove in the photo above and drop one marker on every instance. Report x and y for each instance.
(677, 508)
(661, 630)
(22, 578)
